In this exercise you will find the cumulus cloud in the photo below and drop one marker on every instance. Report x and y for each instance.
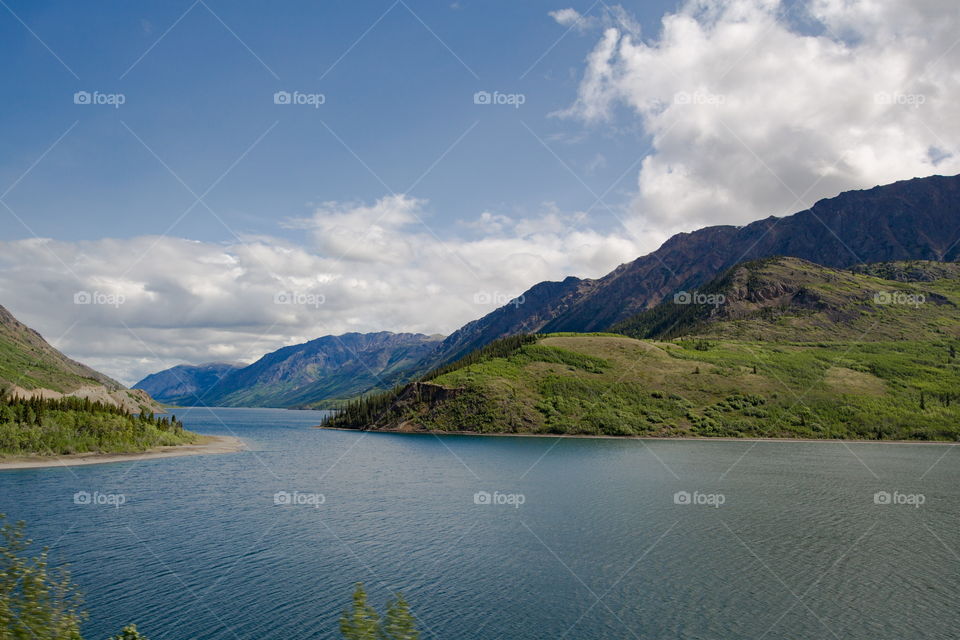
(754, 110)
(153, 302)
(750, 110)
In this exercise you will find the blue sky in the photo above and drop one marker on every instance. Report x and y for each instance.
(399, 203)
(397, 97)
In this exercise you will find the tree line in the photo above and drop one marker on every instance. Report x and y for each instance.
(58, 426)
(32, 411)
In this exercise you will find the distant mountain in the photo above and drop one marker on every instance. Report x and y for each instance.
(915, 219)
(31, 367)
(316, 374)
(792, 300)
(185, 384)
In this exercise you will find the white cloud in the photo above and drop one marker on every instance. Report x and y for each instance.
(490, 223)
(747, 108)
(367, 267)
(751, 109)
(568, 17)
(615, 16)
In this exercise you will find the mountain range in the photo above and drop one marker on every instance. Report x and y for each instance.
(911, 220)
(316, 374)
(777, 347)
(915, 219)
(184, 384)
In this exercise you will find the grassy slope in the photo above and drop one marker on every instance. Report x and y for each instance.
(31, 363)
(787, 299)
(30, 366)
(623, 386)
(855, 376)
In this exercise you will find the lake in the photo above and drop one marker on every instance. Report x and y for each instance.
(513, 538)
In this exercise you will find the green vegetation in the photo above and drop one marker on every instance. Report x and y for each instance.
(369, 408)
(18, 365)
(39, 602)
(28, 361)
(788, 299)
(76, 425)
(129, 632)
(796, 350)
(362, 622)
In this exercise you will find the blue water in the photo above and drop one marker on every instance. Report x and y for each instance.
(599, 549)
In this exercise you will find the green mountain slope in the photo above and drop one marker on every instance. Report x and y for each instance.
(30, 366)
(794, 350)
(788, 299)
(909, 220)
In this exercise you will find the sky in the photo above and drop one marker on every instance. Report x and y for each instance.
(187, 181)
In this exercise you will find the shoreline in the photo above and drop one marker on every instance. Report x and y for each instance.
(209, 445)
(653, 438)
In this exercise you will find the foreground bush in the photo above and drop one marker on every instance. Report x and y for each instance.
(362, 622)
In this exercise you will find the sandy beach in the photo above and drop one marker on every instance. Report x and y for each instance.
(209, 445)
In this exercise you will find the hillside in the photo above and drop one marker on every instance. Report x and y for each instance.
(798, 350)
(31, 367)
(915, 219)
(316, 374)
(184, 384)
(792, 300)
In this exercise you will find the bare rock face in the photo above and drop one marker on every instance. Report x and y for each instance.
(133, 400)
(915, 219)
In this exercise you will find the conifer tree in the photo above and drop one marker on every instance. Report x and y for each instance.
(360, 621)
(399, 623)
(129, 632)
